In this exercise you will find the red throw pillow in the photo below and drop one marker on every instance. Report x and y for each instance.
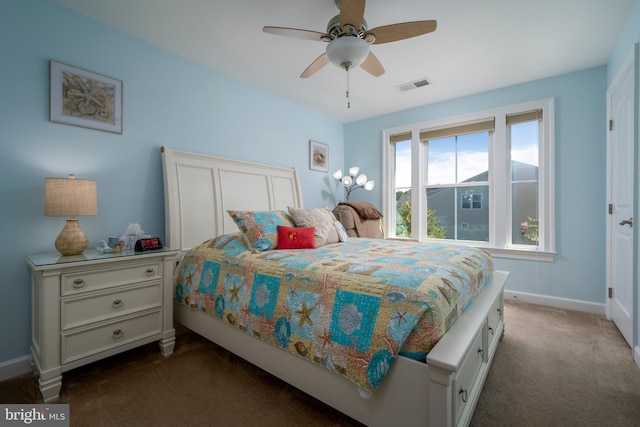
(296, 237)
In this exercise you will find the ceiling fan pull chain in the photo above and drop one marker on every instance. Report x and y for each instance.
(348, 89)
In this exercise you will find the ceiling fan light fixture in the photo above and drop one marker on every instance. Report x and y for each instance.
(347, 52)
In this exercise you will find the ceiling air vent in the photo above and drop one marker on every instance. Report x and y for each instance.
(413, 85)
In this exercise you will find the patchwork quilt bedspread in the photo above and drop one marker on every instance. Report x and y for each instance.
(352, 307)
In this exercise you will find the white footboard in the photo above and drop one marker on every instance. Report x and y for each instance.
(459, 363)
(441, 393)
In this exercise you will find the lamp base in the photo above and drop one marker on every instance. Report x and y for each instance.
(72, 240)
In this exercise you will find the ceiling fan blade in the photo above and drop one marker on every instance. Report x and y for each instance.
(352, 12)
(405, 30)
(320, 62)
(294, 32)
(372, 65)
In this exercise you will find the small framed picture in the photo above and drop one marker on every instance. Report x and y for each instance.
(318, 156)
(83, 98)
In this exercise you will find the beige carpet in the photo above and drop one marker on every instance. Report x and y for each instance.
(560, 368)
(553, 368)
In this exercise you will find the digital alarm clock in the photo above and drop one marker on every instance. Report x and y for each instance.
(148, 244)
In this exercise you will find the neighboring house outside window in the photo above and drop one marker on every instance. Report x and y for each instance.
(483, 179)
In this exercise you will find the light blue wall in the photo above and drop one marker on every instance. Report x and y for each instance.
(579, 270)
(168, 100)
(171, 101)
(630, 36)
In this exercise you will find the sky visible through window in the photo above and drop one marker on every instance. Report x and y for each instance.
(472, 155)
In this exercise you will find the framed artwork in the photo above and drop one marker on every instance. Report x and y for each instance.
(82, 98)
(318, 156)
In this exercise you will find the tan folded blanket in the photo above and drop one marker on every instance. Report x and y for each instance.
(364, 209)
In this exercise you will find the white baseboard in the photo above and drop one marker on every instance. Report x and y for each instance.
(15, 367)
(636, 356)
(569, 304)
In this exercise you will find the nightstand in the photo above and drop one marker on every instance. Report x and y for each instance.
(91, 306)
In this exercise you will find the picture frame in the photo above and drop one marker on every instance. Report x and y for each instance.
(318, 156)
(83, 98)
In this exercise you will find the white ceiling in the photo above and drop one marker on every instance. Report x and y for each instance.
(479, 45)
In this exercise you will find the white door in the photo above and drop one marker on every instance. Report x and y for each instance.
(620, 191)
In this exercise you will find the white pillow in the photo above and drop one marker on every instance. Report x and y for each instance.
(342, 233)
(321, 219)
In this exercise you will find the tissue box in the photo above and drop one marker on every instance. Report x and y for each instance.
(129, 241)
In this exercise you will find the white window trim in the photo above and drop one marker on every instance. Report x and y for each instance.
(500, 192)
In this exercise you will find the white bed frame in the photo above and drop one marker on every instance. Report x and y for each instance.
(199, 189)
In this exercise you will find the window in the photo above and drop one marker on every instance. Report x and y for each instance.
(402, 184)
(471, 201)
(483, 179)
(522, 130)
(457, 165)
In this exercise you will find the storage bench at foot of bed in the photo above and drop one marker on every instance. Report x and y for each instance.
(459, 364)
(413, 394)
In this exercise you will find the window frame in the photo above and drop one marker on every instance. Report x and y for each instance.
(500, 238)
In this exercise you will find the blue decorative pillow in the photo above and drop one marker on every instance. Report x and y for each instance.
(260, 228)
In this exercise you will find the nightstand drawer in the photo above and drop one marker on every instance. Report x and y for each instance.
(76, 345)
(83, 310)
(91, 280)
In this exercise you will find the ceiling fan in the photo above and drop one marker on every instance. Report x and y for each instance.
(349, 38)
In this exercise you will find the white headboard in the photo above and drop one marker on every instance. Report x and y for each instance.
(199, 190)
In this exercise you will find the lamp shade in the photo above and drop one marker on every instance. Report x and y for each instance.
(353, 181)
(347, 52)
(70, 197)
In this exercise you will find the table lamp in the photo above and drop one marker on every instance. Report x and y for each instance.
(70, 197)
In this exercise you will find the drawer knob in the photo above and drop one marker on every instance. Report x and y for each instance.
(79, 284)
(117, 334)
(492, 331)
(464, 395)
(117, 303)
(481, 352)
(150, 271)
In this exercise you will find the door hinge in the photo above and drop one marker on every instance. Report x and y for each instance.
(610, 209)
(610, 124)
(610, 292)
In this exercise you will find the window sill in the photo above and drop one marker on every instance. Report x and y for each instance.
(510, 253)
(517, 252)
(523, 254)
